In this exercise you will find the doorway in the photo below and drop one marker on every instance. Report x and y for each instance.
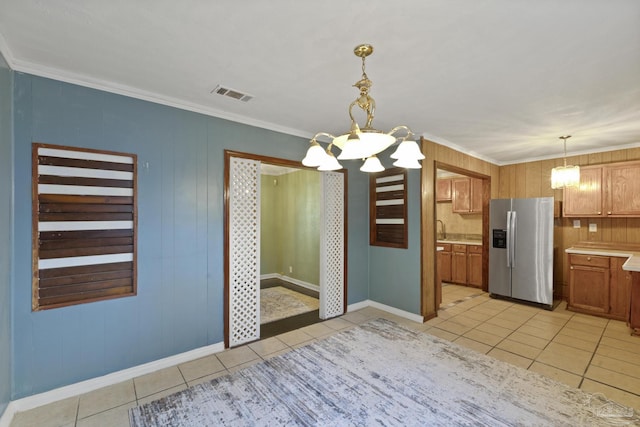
(242, 244)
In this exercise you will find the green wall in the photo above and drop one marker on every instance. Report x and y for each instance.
(290, 225)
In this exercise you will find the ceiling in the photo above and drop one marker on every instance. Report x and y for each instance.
(498, 79)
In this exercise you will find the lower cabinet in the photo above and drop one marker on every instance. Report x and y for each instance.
(444, 262)
(634, 315)
(460, 264)
(598, 285)
(474, 266)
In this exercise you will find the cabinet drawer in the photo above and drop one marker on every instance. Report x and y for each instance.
(460, 248)
(474, 249)
(446, 246)
(589, 260)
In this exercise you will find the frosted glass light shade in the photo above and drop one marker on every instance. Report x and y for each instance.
(565, 176)
(408, 149)
(372, 164)
(407, 163)
(367, 144)
(330, 163)
(315, 155)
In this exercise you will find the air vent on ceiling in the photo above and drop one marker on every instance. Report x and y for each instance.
(232, 93)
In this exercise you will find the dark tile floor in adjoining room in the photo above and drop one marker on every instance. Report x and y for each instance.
(591, 353)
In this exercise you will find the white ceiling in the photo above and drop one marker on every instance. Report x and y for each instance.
(498, 79)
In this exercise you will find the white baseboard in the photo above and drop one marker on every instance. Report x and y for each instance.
(384, 307)
(82, 387)
(298, 282)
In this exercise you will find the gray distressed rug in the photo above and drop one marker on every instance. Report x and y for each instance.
(382, 374)
(279, 302)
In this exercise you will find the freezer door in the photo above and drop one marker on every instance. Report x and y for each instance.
(532, 263)
(499, 271)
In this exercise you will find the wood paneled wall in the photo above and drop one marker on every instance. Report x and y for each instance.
(532, 179)
(441, 155)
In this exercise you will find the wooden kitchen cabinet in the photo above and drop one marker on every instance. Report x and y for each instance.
(444, 262)
(474, 266)
(605, 191)
(466, 195)
(589, 283)
(620, 289)
(443, 190)
(634, 314)
(459, 264)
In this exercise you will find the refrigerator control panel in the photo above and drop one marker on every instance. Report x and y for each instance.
(499, 238)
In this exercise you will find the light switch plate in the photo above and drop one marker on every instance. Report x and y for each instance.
(576, 223)
(593, 228)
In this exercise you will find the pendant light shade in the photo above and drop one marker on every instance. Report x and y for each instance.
(565, 176)
(372, 164)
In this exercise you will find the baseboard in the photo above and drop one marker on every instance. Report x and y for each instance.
(298, 282)
(82, 387)
(384, 307)
(7, 416)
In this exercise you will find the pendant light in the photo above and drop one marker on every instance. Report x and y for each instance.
(565, 176)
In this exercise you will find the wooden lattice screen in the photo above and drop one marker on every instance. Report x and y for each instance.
(84, 225)
(388, 208)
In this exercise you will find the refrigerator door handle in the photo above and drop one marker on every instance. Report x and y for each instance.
(512, 228)
(508, 238)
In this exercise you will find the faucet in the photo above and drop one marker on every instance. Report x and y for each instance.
(444, 232)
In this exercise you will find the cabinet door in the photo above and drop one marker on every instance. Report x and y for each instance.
(634, 315)
(623, 184)
(474, 266)
(459, 264)
(444, 264)
(589, 288)
(443, 190)
(476, 195)
(461, 195)
(620, 290)
(586, 199)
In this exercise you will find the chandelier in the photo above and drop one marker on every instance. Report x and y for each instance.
(565, 176)
(364, 142)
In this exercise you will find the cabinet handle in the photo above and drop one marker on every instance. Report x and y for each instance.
(588, 258)
(571, 268)
(599, 213)
(609, 213)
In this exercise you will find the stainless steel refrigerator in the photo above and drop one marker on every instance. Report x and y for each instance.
(521, 249)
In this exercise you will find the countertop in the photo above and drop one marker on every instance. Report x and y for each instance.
(632, 263)
(461, 242)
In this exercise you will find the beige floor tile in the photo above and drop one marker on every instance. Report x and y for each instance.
(454, 327)
(546, 326)
(616, 365)
(277, 353)
(616, 353)
(207, 378)
(161, 394)
(546, 334)
(158, 381)
(106, 398)
(294, 337)
(564, 357)
(478, 315)
(372, 312)
(338, 323)
(441, 333)
(600, 322)
(511, 358)
(54, 414)
(305, 343)
(529, 339)
(494, 329)
(620, 396)
(614, 379)
(355, 317)
(237, 356)
(435, 321)
(465, 320)
(622, 335)
(575, 342)
(115, 417)
(484, 308)
(559, 375)
(505, 323)
(244, 365)
(584, 327)
(201, 367)
(473, 345)
(318, 330)
(582, 335)
(621, 344)
(617, 326)
(268, 346)
(519, 348)
(483, 337)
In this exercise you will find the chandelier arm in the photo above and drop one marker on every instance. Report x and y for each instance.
(404, 128)
(315, 137)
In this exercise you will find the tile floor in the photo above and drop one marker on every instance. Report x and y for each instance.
(597, 355)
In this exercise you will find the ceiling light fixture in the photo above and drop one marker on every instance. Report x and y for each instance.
(565, 176)
(364, 142)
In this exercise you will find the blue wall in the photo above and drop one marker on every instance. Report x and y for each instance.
(394, 274)
(179, 305)
(5, 234)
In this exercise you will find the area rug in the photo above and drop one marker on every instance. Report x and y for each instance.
(279, 302)
(381, 374)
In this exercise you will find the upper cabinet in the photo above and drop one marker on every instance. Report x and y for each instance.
(466, 195)
(443, 190)
(605, 191)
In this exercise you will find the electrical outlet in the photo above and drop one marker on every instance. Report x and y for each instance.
(290, 269)
(593, 228)
(576, 223)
